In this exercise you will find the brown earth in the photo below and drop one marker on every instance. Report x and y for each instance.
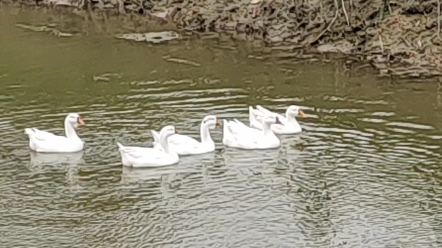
(398, 37)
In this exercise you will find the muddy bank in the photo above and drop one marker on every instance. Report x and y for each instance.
(398, 38)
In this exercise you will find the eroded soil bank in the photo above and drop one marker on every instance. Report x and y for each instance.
(399, 38)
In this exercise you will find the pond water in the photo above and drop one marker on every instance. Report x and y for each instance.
(364, 173)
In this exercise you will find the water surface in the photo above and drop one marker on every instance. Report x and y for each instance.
(364, 173)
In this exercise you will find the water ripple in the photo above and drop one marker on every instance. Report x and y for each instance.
(362, 174)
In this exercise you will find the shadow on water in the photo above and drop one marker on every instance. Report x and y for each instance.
(364, 173)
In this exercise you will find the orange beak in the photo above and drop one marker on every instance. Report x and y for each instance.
(80, 121)
(278, 121)
(301, 113)
(217, 123)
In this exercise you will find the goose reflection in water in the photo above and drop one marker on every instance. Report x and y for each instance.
(47, 159)
(187, 164)
(68, 162)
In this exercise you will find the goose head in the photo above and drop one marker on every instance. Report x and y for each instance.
(295, 111)
(74, 120)
(210, 121)
(168, 131)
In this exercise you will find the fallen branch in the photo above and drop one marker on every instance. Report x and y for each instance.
(438, 18)
(381, 43)
(351, 9)
(327, 28)
(345, 12)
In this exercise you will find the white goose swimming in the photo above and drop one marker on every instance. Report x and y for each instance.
(186, 145)
(288, 125)
(42, 141)
(237, 134)
(150, 157)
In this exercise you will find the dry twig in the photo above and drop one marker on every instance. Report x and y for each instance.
(438, 19)
(345, 12)
(327, 28)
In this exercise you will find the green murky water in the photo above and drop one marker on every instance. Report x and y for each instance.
(365, 173)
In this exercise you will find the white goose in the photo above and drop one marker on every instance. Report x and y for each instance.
(288, 125)
(237, 134)
(42, 141)
(150, 157)
(185, 145)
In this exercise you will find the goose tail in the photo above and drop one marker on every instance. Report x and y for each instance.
(251, 115)
(120, 146)
(29, 131)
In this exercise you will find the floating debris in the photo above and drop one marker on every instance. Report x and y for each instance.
(118, 75)
(61, 34)
(154, 37)
(50, 30)
(255, 57)
(106, 77)
(100, 78)
(66, 3)
(34, 28)
(181, 61)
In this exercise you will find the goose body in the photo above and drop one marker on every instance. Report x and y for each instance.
(237, 134)
(186, 145)
(288, 123)
(150, 157)
(43, 141)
